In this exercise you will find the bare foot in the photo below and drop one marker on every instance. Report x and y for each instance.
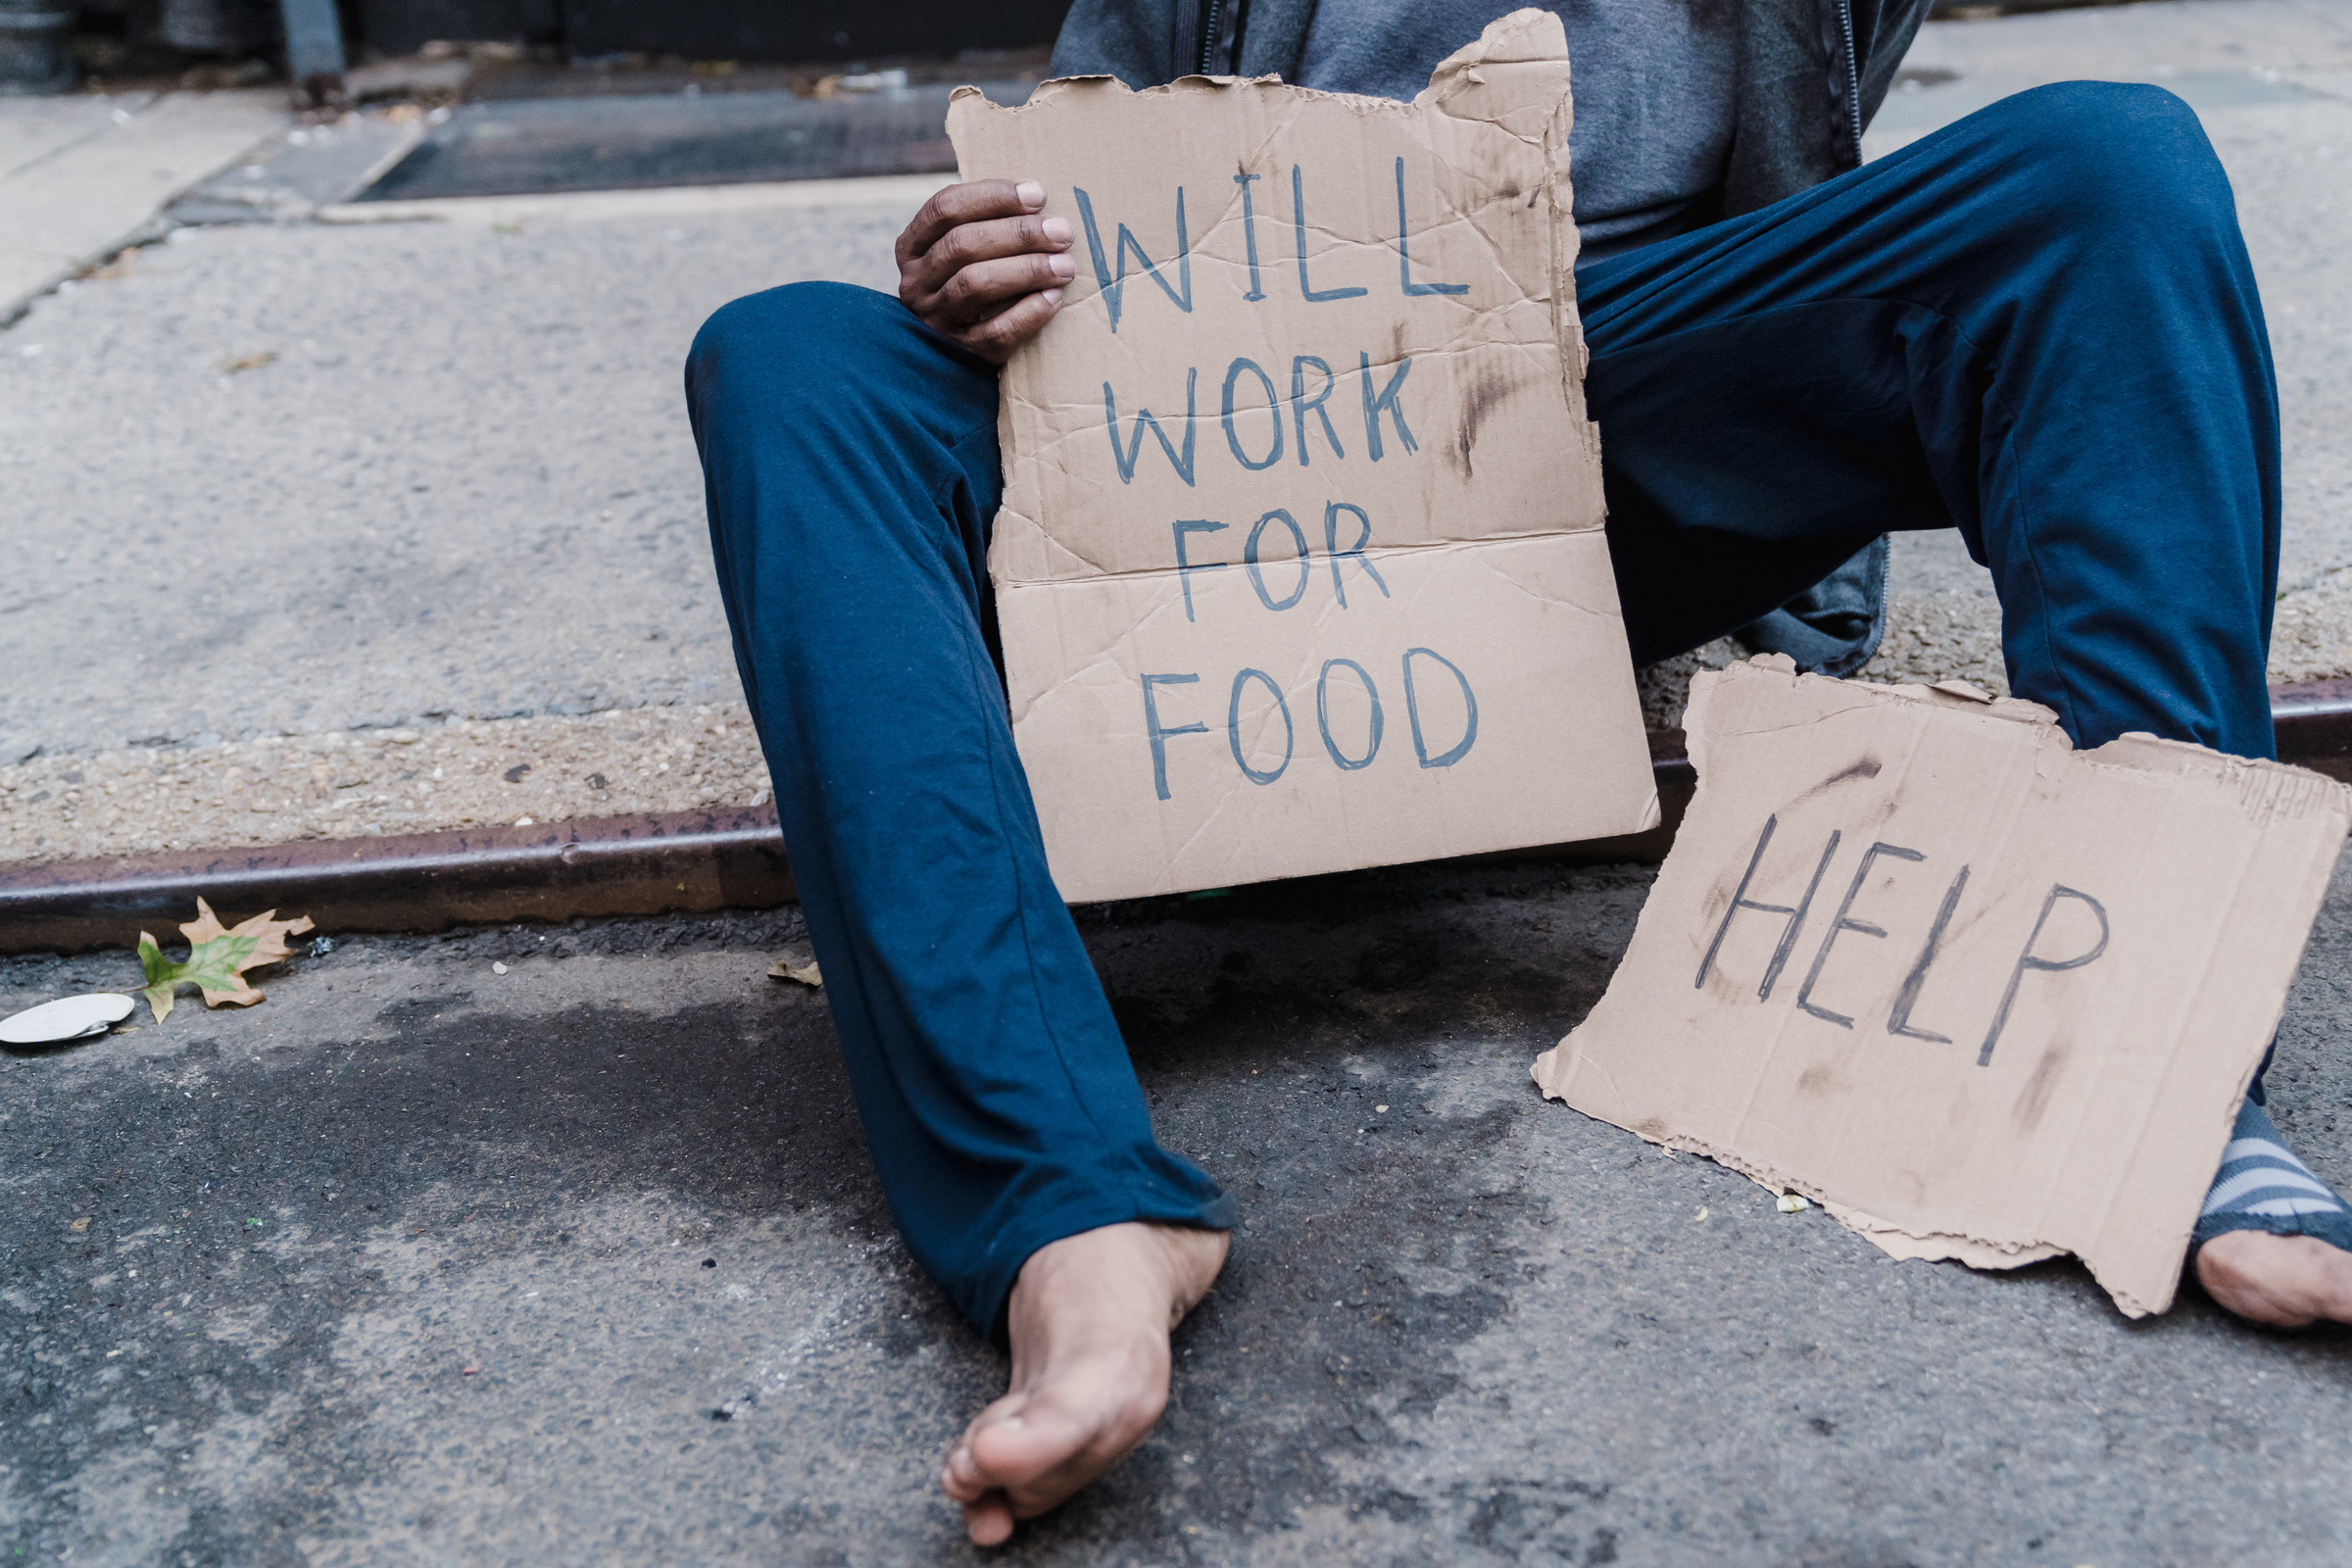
(1089, 1322)
(2284, 1281)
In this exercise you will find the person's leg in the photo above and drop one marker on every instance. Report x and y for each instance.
(850, 467)
(2039, 325)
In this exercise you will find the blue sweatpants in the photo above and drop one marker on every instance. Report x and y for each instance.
(2037, 325)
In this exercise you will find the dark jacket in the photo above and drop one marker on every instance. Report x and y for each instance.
(1812, 73)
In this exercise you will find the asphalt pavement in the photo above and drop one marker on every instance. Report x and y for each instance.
(418, 1262)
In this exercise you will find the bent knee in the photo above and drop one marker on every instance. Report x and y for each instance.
(2126, 148)
(776, 332)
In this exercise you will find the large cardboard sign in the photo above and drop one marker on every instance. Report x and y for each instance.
(1981, 995)
(1301, 565)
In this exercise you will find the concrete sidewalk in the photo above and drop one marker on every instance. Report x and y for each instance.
(82, 177)
(280, 496)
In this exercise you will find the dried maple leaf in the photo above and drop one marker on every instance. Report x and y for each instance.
(217, 958)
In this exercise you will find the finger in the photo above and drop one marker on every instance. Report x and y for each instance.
(984, 288)
(987, 1522)
(967, 243)
(968, 202)
(996, 338)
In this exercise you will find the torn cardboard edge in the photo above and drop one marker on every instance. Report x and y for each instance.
(1898, 1243)
(1824, 1048)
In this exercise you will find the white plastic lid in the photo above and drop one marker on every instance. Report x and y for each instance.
(66, 1018)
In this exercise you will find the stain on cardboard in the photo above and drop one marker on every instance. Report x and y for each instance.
(2034, 1097)
(1489, 389)
(1867, 767)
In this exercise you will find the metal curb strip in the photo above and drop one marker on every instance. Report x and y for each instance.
(681, 862)
(691, 862)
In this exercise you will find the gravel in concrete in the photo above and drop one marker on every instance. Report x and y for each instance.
(417, 1262)
(363, 783)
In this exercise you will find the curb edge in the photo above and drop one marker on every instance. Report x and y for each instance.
(684, 862)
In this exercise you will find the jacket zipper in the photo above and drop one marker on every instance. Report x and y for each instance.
(1211, 21)
(1853, 74)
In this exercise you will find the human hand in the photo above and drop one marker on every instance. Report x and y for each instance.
(979, 267)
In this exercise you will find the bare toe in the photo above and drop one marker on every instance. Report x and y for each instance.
(987, 1522)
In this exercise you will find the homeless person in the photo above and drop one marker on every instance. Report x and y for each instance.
(2037, 325)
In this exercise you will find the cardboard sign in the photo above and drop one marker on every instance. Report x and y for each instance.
(1981, 995)
(1300, 564)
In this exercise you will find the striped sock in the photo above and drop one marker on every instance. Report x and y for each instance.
(2262, 1187)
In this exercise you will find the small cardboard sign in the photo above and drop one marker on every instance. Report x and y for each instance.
(1300, 564)
(1981, 995)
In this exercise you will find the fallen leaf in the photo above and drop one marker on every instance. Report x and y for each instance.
(1699, 1219)
(217, 958)
(80, 1226)
(247, 362)
(806, 973)
(1791, 1204)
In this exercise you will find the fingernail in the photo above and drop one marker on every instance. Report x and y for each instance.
(1057, 229)
(1053, 297)
(1062, 267)
(1031, 193)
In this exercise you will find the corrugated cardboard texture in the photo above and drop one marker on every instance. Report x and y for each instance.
(1301, 565)
(1981, 995)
